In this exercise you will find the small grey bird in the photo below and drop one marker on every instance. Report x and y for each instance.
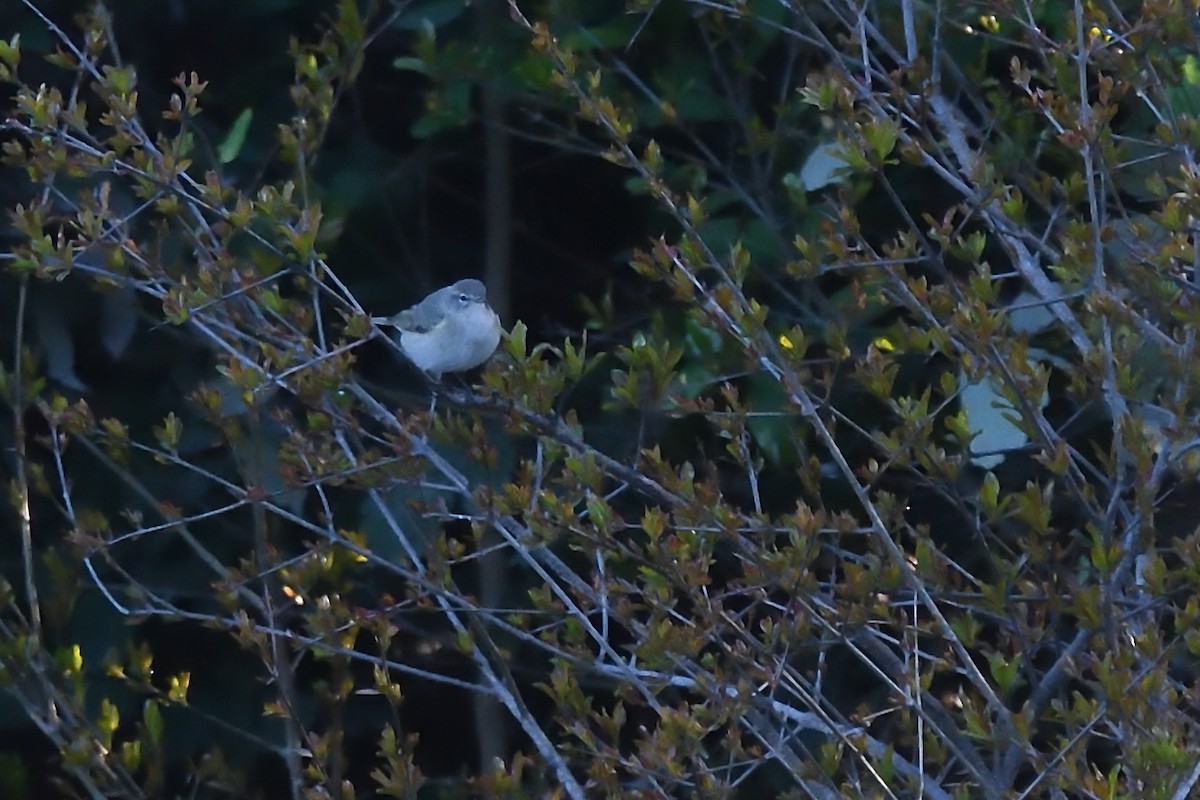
(451, 330)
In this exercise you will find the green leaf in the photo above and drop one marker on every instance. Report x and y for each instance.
(515, 343)
(1191, 70)
(881, 136)
(412, 64)
(989, 494)
(232, 145)
(152, 719)
(823, 167)
(435, 14)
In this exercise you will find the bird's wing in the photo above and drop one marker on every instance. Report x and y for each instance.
(413, 322)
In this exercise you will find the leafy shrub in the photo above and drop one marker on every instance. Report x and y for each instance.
(873, 477)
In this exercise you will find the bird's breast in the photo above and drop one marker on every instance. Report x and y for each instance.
(459, 342)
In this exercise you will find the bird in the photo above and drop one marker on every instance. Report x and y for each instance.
(452, 330)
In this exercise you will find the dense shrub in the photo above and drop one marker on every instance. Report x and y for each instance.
(847, 446)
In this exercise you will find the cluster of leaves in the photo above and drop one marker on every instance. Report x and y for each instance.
(817, 563)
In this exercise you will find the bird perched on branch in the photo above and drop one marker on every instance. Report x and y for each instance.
(451, 330)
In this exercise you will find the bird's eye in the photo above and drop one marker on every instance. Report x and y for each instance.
(462, 298)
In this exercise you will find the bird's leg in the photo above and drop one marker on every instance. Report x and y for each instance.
(435, 384)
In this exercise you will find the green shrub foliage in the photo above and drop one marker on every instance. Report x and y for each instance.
(847, 446)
